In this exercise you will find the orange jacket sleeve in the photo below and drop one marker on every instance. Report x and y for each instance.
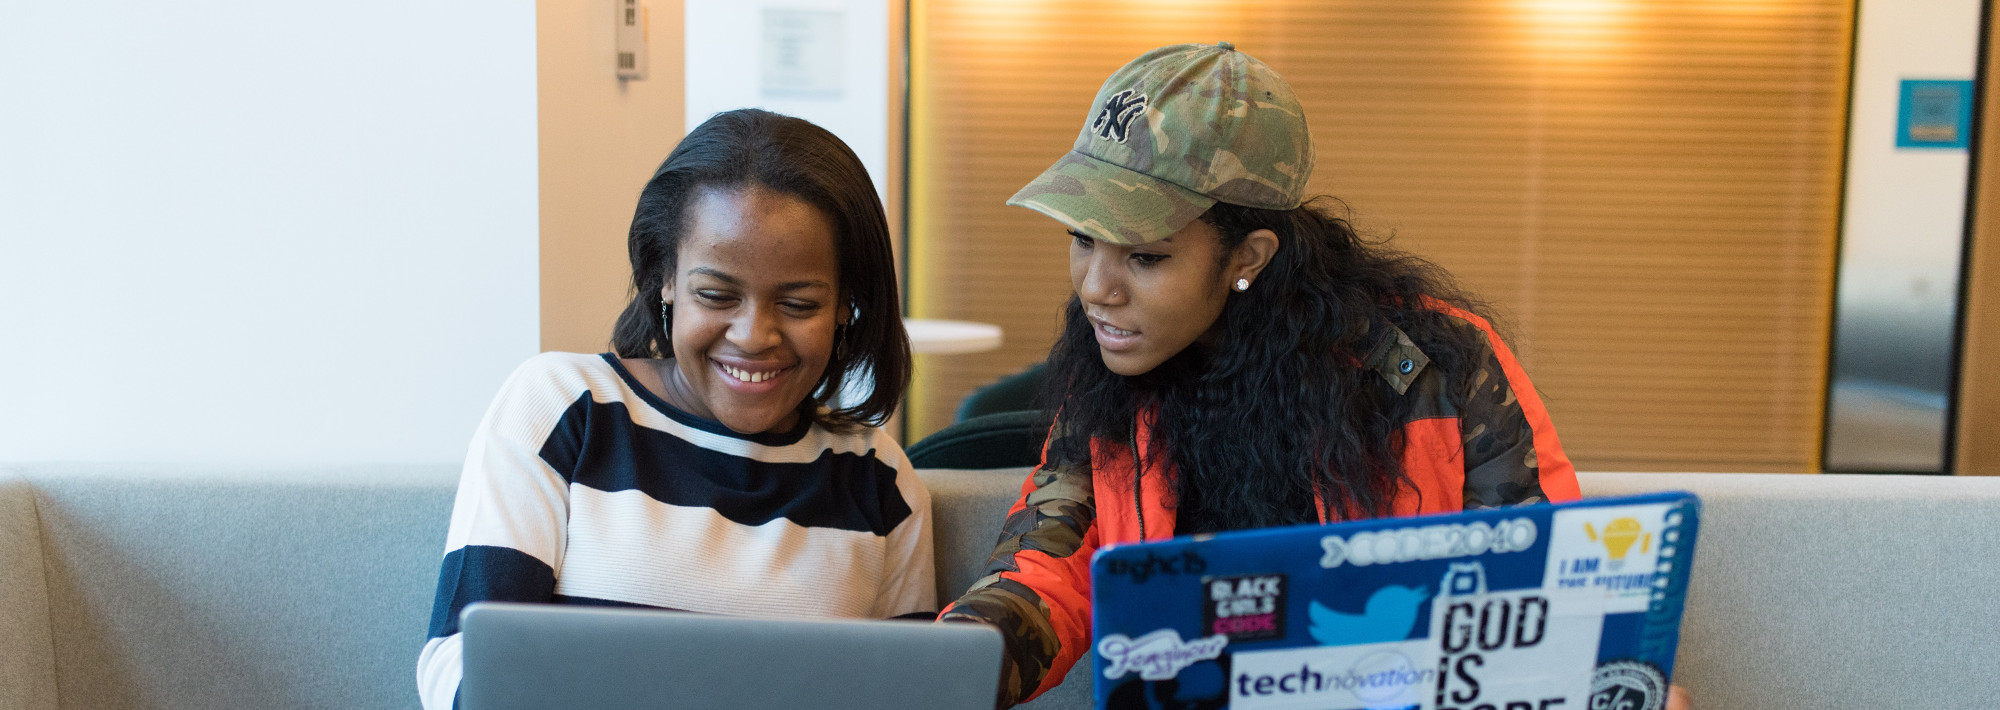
(1037, 588)
(1512, 455)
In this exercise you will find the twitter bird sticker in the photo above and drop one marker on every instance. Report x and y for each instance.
(1390, 614)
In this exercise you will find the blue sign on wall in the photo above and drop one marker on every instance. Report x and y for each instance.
(1934, 114)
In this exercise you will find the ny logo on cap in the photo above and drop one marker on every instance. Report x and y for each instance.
(1117, 115)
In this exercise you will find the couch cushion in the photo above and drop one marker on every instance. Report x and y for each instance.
(27, 655)
(967, 508)
(250, 588)
(1837, 591)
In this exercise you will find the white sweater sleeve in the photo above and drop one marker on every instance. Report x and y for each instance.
(909, 582)
(507, 521)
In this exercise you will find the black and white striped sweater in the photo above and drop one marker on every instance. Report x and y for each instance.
(583, 487)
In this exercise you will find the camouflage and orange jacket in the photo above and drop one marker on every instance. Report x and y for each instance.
(1498, 449)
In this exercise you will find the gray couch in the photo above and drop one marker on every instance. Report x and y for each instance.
(148, 586)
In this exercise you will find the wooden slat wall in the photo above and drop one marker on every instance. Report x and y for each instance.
(1977, 436)
(1647, 190)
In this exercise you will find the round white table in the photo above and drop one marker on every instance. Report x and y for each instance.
(930, 336)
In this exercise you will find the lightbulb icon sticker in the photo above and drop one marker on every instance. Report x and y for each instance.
(1619, 537)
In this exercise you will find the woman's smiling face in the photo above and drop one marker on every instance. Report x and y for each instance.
(755, 294)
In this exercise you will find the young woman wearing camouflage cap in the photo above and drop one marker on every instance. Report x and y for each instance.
(1236, 357)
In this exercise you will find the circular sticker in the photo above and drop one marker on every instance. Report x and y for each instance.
(1628, 685)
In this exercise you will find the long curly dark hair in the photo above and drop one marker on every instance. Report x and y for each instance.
(745, 147)
(1276, 417)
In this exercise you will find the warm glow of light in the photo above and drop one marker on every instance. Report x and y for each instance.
(1159, 21)
(1750, 7)
(1575, 29)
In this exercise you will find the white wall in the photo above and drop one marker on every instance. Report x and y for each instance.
(236, 231)
(1903, 231)
(601, 140)
(1905, 208)
(725, 70)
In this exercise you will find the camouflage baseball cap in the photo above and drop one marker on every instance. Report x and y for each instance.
(1169, 135)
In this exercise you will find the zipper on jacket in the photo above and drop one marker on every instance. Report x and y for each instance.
(1138, 476)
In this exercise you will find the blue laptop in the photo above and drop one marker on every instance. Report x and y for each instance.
(1546, 607)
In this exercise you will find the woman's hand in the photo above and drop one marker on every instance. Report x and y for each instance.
(1678, 698)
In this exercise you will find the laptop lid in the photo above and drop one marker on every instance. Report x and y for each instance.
(522, 656)
(1543, 607)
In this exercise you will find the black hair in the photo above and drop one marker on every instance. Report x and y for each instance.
(750, 147)
(1264, 424)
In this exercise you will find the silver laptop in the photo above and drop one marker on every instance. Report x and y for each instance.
(522, 656)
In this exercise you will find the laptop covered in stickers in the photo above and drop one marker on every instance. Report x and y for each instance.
(1573, 606)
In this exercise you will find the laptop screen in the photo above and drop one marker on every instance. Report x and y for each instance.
(521, 656)
(1542, 607)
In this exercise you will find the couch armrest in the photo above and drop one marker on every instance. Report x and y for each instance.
(27, 649)
(1837, 590)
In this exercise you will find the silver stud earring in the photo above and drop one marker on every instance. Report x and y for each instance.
(1242, 285)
